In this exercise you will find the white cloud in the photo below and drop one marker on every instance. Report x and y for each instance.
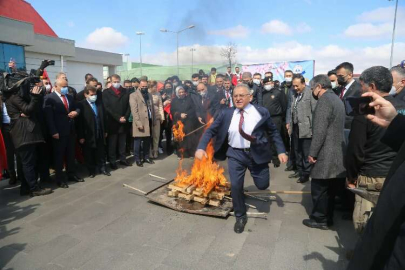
(282, 28)
(276, 27)
(106, 38)
(377, 23)
(234, 32)
(326, 58)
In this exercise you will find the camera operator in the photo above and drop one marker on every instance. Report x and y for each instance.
(23, 101)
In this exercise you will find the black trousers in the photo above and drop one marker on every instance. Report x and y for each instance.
(302, 147)
(64, 151)
(115, 140)
(145, 141)
(28, 156)
(94, 157)
(44, 151)
(278, 121)
(293, 143)
(323, 192)
(237, 165)
(11, 153)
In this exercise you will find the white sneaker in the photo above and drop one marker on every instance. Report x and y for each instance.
(160, 150)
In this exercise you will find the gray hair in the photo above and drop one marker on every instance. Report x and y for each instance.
(242, 85)
(178, 88)
(321, 80)
(400, 71)
(60, 74)
(247, 74)
(380, 76)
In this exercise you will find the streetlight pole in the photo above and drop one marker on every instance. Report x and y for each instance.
(126, 68)
(140, 48)
(192, 59)
(177, 37)
(393, 33)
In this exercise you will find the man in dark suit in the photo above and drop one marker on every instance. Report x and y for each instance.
(60, 112)
(241, 135)
(116, 105)
(326, 152)
(223, 98)
(91, 131)
(349, 87)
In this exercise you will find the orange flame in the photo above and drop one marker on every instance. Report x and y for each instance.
(178, 131)
(205, 173)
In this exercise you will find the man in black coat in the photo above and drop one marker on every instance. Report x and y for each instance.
(382, 244)
(60, 112)
(256, 89)
(91, 131)
(398, 75)
(116, 105)
(223, 99)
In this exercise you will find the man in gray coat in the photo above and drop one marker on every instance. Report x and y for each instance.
(326, 152)
(299, 125)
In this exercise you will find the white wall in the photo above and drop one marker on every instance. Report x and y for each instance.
(77, 70)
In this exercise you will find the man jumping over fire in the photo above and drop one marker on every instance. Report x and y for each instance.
(243, 133)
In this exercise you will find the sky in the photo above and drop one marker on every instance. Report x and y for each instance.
(327, 31)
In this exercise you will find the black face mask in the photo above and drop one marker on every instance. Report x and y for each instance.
(341, 81)
(315, 97)
(144, 90)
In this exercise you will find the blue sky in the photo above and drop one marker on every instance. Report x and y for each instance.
(328, 31)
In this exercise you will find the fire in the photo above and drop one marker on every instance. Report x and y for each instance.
(178, 132)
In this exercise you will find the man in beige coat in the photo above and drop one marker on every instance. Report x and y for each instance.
(143, 115)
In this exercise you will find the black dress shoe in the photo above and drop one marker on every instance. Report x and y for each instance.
(75, 179)
(276, 164)
(113, 166)
(139, 163)
(294, 175)
(289, 169)
(62, 185)
(105, 173)
(303, 179)
(313, 224)
(240, 224)
(148, 160)
(40, 192)
(92, 175)
(125, 163)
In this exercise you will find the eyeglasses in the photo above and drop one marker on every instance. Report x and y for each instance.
(241, 96)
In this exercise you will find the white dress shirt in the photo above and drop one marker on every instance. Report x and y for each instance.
(6, 118)
(347, 87)
(251, 118)
(60, 96)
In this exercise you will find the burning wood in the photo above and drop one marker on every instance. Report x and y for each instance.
(178, 131)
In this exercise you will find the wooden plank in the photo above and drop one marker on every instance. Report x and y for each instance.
(187, 197)
(200, 200)
(216, 195)
(173, 193)
(215, 203)
(175, 187)
(198, 192)
(190, 189)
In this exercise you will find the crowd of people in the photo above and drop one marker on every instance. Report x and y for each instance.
(305, 121)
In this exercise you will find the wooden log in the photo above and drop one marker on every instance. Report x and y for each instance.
(215, 203)
(187, 197)
(190, 189)
(200, 200)
(175, 187)
(198, 192)
(173, 193)
(216, 195)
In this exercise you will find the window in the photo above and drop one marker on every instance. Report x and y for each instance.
(10, 51)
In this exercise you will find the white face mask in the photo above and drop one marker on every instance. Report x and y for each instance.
(195, 83)
(92, 99)
(289, 79)
(268, 87)
(256, 81)
(48, 87)
(333, 85)
(175, 84)
(116, 85)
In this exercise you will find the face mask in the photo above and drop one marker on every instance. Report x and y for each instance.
(341, 81)
(144, 90)
(64, 91)
(268, 87)
(289, 79)
(92, 99)
(48, 87)
(116, 85)
(315, 97)
(203, 93)
(195, 83)
(256, 81)
(333, 85)
(175, 84)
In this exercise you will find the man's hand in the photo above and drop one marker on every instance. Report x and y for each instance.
(164, 95)
(73, 114)
(288, 129)
(351, 183)
(36, 90)
(283, 158)
(140, 128)
(166, 102)
(122, 119)
(56, 136)
(201, 121)
(311, 160)
(183, 116)
(222, 101)
(384, 111)
(81, 141)
(24, 115)
(199, 154)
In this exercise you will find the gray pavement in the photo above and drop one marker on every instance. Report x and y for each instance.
(101, 225)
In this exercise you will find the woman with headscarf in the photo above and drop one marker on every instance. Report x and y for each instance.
(158, 119)
(183, 109)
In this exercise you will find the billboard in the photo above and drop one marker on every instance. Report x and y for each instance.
(306, 68)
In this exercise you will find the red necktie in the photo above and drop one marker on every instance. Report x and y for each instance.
(242, 133)
(342, 93)
(65, 103)
(227, 98)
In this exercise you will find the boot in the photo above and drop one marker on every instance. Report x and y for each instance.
(13, 179)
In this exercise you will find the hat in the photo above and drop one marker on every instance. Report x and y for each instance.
(267, 79)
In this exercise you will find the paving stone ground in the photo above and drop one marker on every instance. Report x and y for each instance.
(101, 225)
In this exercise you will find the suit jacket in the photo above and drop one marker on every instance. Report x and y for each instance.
(327, 144)
(383, 230)
(57, 116)
(140, 114)
(116, 107)
(305, 108)
(217, 100)
(87, 125)
(353, 91)
(265, 127)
